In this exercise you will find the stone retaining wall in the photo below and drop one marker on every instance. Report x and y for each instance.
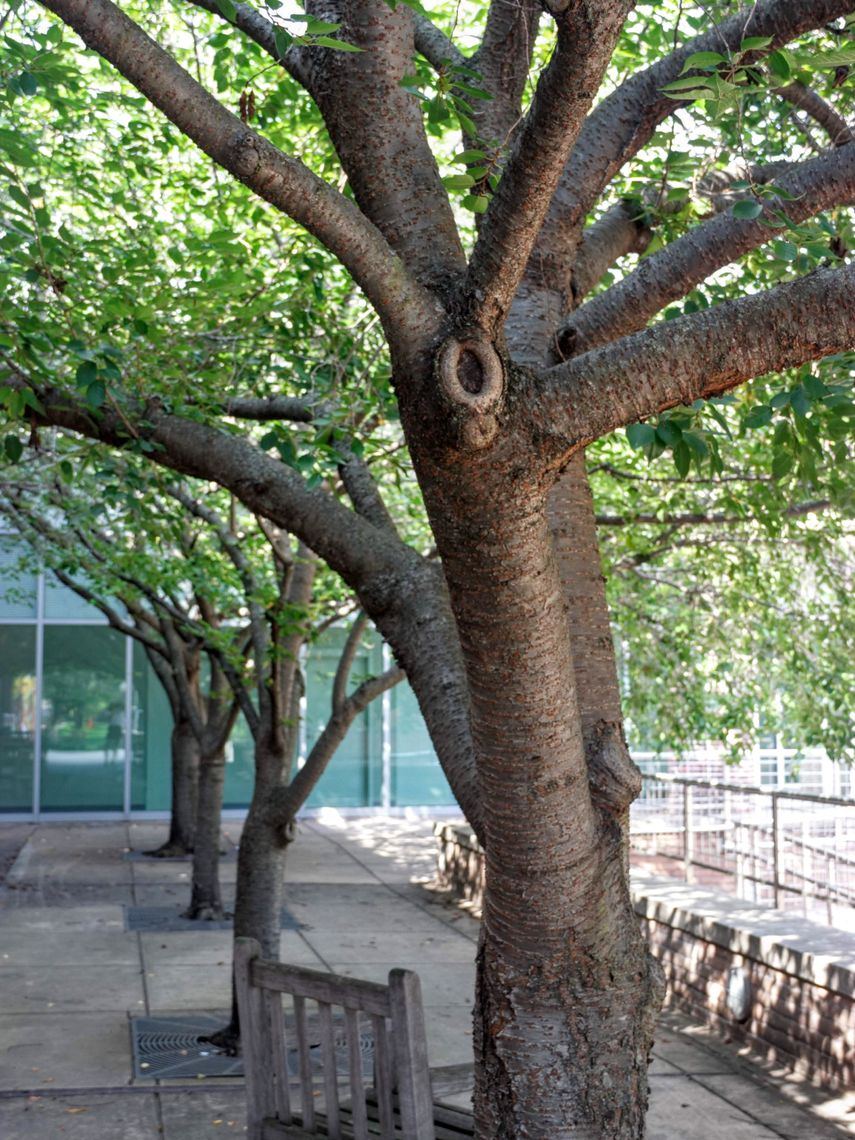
(782, 984)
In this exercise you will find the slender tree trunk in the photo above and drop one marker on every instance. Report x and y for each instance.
(565, 992)
(185, 793)
(206, 899)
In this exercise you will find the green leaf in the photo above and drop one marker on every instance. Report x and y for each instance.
(669, 432)
(96, 394)
(458, 181)
(640, 435)
(785, 250)
(86, 374)
(781, 464)
(746, 208)
(758, 417)
(282, 40)
(781, 66)
(684, 87)
(28, 83)
(682, 459)
(13, 447)
(755, 43)
(800, 401)
(698, 61)
(696, 443)
(228, 9)
(477, 203)
(335, 45)
(843, 56)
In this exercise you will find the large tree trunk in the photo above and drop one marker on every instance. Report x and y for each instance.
(566, 995)
(206, 899)
(185, 793)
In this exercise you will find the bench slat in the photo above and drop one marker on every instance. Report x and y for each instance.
(350, 993)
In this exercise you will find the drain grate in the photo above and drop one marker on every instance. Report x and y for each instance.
(169, 919)
(168, 1048)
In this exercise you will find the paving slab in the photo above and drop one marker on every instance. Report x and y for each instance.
(204, 1115)
(39, 989)
(68, 1050)
(357, 887)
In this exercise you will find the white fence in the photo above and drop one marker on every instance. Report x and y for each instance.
(792, 849)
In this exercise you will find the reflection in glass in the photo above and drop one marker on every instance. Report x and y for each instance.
(17, 585)
(83, 719)
(17, 716)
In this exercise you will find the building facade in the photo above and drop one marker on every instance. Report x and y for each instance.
(85, 725)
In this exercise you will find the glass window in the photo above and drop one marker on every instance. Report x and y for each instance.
(17, 716)
(151, 739)
(354, 775)
(417, 777)
(83, 719)
(63, 603)
(17, 585)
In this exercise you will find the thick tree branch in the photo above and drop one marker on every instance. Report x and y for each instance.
(625, 120)
(266, 408)
(283, 181)
(698, 356)
(807, 100)
(503, 61)
(431, 42)
(378, 131)
(564, 94)
(671, 273)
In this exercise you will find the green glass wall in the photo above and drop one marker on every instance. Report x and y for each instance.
(151, 738)
(416, 775)
(83, 719)
(17, 716)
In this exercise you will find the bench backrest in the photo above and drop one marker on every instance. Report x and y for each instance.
(400, 1077)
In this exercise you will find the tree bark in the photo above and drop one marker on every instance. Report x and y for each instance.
(565, 994)
(206, 900)
(185, 793)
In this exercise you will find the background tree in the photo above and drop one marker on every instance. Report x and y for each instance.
(502, 377)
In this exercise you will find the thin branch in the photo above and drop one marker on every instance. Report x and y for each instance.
(261, 30)
(266, 408)
(807, 100)
(705, 518)
(283, 181)
(503, 62)
(435, 45)
(697, 356)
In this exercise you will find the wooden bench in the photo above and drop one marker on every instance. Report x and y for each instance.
(394, 1101)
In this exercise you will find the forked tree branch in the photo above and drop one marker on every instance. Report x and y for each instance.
(698, 356)
(283, 181)
(563, 97)
(671, 273)
(251, 22)
(626, 119)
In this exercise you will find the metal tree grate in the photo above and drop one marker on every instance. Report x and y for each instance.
(169, 919)
(168, 1048)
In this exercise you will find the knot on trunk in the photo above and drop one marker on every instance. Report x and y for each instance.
(471, 377)
(613, 776)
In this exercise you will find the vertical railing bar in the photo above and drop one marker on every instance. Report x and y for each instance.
(307, 1097)
(776, 882)
(279, 1054)
(328, 1059)
(357, 1085)
(383, 1077)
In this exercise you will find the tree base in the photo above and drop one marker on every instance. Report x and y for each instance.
(226, 1040)
(206, 912)
(169, 851)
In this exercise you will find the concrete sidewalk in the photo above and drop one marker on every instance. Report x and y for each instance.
(71, 975)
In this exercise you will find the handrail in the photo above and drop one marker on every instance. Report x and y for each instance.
(753, 789)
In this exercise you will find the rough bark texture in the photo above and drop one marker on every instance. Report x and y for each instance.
(206, 900)
(185, 792)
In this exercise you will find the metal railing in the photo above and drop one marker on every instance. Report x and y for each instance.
(790, 849)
